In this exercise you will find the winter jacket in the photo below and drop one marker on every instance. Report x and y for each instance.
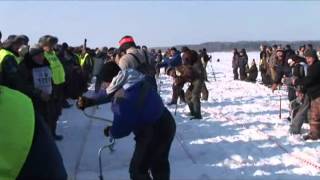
(243, 61)
(235, 61)
(69, 62)
(27, 72)
(273, 59)
(9, 71)
(263, 55)
(205, 57)
(312, 81)
(128, 61)
(175, 61)
(253, 73)
(77, 85)
(280, 69)
(192, 68)
(153, 56)
(86, 62)
(263, 65)
(97, 66)
(299, 71)
(76, 77)
(135, 103)
(28, 141)
(159, 58)
(186, 74)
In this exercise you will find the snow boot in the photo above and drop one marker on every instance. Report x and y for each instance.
(310, 137)
(191, 113)
(196, 117)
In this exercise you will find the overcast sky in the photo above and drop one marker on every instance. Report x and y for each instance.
(162, 23)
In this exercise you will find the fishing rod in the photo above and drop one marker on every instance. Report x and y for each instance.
(280, 108)
(96, 117)
(175, 109)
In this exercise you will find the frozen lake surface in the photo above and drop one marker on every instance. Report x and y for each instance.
(239, 137)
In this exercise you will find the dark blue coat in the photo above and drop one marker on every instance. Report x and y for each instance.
(173, 62)
(141, 105)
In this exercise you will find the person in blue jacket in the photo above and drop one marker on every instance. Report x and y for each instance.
(137, 108)
(174, 62)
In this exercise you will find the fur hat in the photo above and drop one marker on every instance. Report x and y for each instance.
(48, 39)
(12, 39)
(126, 42)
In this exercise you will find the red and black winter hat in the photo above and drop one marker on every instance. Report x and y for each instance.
(126, 42)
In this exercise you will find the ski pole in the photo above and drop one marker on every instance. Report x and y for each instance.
(110, 146)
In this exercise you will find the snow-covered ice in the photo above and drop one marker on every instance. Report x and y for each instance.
(239, 137)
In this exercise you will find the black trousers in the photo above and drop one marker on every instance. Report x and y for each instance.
(235, 73)
(54, 108)
(44, 161)
(151, 154)
(243, 74)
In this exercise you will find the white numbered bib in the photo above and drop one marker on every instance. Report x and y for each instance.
(42, 79)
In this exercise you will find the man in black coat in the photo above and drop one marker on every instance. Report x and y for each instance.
(9, 61)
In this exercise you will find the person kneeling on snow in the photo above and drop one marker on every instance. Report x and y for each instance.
(252, 72)
(138, 108)
(299, 106)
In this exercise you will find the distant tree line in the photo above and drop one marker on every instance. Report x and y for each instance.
(248, 45)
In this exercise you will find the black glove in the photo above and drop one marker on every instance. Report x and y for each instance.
(84, 102)
(107, 131)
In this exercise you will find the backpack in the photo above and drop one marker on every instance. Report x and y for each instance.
(145, 68)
